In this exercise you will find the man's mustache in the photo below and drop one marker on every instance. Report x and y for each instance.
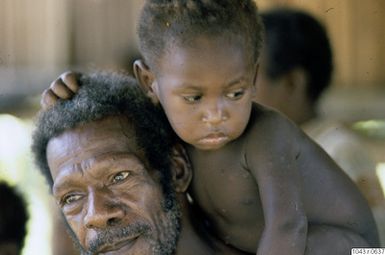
(114, 235)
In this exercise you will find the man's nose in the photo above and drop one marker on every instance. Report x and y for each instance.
(215, 113)
(102, 212)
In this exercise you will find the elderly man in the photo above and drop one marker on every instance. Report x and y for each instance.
(115, 172)
(120, 177)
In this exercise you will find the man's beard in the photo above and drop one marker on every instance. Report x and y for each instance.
(163, 239)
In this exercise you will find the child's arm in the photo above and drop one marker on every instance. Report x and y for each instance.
(64, 87)
(271, 157)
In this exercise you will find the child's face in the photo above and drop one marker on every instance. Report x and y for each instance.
(206, 91)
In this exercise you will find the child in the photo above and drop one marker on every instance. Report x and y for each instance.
(257, 178)
(13, 220)
(296, 67)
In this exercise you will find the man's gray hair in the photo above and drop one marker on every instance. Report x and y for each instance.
(101, 95)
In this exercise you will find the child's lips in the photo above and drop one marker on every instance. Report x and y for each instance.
(214, 139)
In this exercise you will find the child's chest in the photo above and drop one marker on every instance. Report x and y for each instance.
(227, 192)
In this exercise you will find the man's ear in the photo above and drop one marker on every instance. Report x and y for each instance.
(181, 168)
(146, 79)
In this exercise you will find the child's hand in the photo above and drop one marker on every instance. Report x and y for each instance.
(63, 87)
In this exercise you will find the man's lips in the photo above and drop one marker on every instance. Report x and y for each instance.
(115, 240)
(127, 243)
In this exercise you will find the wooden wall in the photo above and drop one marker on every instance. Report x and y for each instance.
(33, 33)
(103, 32)
(39, 39)
(48, 34)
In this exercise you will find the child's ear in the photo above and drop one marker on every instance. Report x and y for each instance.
(181, 169)
(146, 79)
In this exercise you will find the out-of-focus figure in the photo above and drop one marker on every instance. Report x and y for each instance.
(13, 219)
(296, 67)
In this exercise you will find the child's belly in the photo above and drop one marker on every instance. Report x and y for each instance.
(233, 208)
(238, 231)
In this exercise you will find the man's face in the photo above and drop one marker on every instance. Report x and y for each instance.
(206, 91)
(111, 201)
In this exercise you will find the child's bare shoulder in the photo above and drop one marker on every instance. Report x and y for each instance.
(269, 132)
(266, 123)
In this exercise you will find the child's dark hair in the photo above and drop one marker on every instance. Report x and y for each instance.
(293, 39)
(163, 23)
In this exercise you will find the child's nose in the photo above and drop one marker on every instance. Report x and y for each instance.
(215, 114)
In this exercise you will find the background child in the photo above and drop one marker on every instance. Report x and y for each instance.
(13, 220)
(296, 67)
(257, 178)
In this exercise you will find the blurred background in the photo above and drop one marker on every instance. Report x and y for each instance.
(41, 39)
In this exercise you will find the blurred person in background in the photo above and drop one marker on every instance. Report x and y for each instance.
(13, 220)
(296, 67)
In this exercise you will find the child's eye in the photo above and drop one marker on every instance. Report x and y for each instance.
(192, 98)
(235, 94)
(120, 177)
(69, 199)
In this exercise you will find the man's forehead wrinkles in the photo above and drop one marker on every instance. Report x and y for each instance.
(66, 175)
(98, 164)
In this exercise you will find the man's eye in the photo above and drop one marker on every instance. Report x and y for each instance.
(235, 94)
(192, 98)
(121, 176)
(69, 199)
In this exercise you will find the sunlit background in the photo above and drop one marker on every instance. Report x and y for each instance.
(42, 38)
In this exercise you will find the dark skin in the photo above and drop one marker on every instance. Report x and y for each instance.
(209, 108)
(321, 239)
(233, 210)
(258, 186)
(99, 165)
(288, 94)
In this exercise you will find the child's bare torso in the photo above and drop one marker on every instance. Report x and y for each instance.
(226, 182)
(228, 194)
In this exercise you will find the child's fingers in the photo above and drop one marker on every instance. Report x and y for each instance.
(48, 99)
(60, 89)
(70, 79)
(63, 87)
